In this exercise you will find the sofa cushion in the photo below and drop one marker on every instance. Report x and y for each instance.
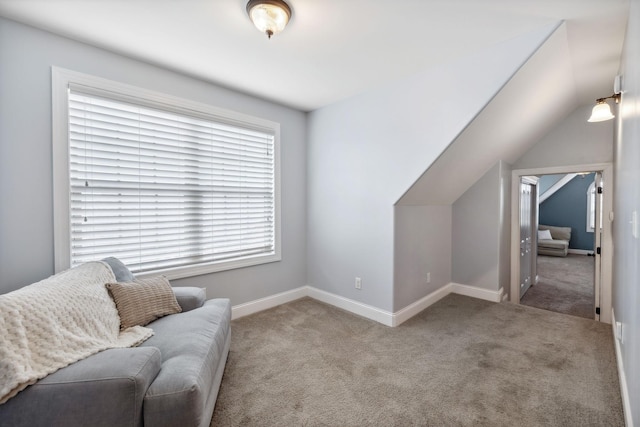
(116, 379)
(192, 346)
(120, 270)
(189, 297)
(143, 301)
(557, 233)
(553, 244)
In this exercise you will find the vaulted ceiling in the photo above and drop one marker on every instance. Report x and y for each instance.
(332, 49)
(540, 93)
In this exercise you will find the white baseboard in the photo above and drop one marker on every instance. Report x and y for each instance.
(580, 251)
(624, 391)
(472, 291)
(361, 309)
(370, 312)
(266, 303)
(414, 308)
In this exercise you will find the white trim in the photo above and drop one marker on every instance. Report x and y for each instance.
(370, 312)
(624, 390)
(591, 199)
(60, 153)
(557, 186)
(266, 303)
(472, 291)
(61, 79)
(580, 251)
(355, 307)
(412, 309)
(606, 244)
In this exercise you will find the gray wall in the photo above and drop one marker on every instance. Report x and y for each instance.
(365, 152)
(504, 261)
(479, 230)
(26, 222)
(626, 291)
(422, 245)
(573, 142)
(567, 207)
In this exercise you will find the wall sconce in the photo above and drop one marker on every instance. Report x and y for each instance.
(602, 111)
(269, 16)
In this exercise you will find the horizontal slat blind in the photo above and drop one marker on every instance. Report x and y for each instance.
(161, 190)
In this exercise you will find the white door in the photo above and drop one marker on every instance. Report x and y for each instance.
(528, 210)
(597, 243)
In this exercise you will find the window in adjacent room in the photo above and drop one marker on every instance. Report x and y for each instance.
(164, 184)
(591, 208)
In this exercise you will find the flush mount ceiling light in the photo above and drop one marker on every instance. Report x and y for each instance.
(269, 16)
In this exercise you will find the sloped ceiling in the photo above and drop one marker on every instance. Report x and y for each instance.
(332, 49)
(540, 94)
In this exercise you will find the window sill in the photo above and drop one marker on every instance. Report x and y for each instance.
(200, 269)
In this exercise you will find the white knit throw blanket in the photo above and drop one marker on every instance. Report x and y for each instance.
(53, 323)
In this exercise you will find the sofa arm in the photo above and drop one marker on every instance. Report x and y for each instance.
(189, 297)
(106, 389)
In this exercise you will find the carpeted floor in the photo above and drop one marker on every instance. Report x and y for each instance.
(461, 362)
(565, 285)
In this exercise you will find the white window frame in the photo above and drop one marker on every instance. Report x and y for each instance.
(591, 208)
(61, 81)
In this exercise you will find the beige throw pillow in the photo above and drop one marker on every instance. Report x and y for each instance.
(143, 301)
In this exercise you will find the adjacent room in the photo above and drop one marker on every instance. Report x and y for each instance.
(565, 263)
(331, 213)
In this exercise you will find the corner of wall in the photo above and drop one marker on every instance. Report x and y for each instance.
(476, 232)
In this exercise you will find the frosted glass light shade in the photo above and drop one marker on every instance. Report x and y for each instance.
(601, 112)
(269, 16)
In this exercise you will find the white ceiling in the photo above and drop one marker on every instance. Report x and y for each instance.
(332, 49)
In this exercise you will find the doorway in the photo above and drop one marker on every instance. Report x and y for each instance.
(521, 265)
(565, 266)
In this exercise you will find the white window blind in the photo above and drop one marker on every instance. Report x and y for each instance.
(162, 190)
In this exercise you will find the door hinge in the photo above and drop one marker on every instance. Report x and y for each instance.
(598, 310)
(598, 250)
(599, 190)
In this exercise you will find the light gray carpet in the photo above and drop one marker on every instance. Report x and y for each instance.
(565, 285)
(461, 362)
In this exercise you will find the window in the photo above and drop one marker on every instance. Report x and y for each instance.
(591, 208)
(166, 185)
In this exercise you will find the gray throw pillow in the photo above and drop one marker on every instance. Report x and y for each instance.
(120, 270)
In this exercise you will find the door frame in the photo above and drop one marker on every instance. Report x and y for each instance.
(606, 258)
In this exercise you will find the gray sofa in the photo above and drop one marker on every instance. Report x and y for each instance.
(172, 379)
(558, 245)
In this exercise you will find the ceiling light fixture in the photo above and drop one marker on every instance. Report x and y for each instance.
(269, 16)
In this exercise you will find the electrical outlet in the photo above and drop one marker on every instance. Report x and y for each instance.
(429, 277)
(358, 283)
